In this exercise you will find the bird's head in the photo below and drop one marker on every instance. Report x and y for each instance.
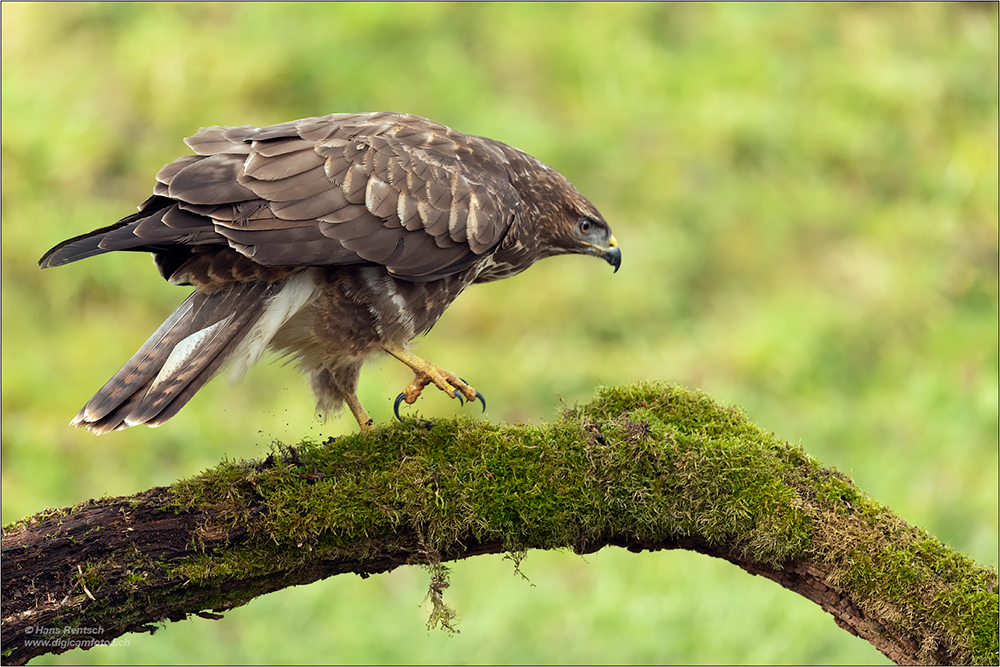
(554, 218)
(574, 226)
(592, 236)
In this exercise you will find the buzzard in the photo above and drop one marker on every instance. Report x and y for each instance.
(328, 239)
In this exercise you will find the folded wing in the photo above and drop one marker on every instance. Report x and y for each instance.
(395, 190)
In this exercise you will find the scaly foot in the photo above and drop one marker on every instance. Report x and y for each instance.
(364, 421)
(426, 373)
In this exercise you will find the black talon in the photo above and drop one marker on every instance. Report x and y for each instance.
(479, 397)
(395, 408)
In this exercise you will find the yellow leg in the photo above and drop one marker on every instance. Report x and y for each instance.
(359, 412)
(426, 373)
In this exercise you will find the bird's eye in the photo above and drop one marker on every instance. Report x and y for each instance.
(585, 225)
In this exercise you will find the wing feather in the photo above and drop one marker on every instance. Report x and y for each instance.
(459, 210)
(290, 188)
(215, 140)
(279, 131)
(324, 203)
(264, 167)
(168, 171)
(381, 199)
(390, 189)
(406, 210)
(211, 180)
(355, 183)
(281, 147)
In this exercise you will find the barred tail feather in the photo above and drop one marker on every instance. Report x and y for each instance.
(188, 349)
(296, 292)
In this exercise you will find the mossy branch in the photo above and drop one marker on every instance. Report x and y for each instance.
(644, 467)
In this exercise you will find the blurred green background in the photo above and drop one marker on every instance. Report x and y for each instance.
(805, 196)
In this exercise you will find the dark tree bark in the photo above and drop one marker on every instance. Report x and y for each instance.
(646, 467)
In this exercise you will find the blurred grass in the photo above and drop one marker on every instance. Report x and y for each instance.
(806, 198)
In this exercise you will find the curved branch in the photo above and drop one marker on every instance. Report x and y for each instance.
(644, 467)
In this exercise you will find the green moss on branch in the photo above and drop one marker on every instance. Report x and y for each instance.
(646, 466)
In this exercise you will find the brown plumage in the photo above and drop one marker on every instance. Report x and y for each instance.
(328, 239)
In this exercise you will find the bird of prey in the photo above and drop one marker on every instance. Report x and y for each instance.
(329, 239)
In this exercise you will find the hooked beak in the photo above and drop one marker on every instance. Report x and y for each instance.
(613, 254)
